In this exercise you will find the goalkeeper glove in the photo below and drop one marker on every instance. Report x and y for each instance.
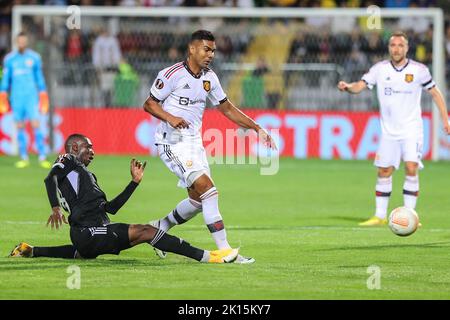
(43, 102)
(4, 104)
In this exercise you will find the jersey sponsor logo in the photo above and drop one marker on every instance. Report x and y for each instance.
(184, 101)
(197, 101)
(207, 85)
(409, 77)
(402, 92)
(159, 84)
(389, 91)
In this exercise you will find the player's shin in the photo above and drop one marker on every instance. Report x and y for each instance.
(169, 243)
(383, 192)
(65, 252)
(39, 136)
(411, 191)
(184, 211)
(22, 141)
(213, 218)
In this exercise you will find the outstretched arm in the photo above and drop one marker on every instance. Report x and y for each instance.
(137, 172)
(354, 87)
(242, 120)
(438, 99)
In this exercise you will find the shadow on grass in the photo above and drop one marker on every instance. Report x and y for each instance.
(352, 219)
(15, 264)
(432, 245)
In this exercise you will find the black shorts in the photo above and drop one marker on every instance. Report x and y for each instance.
(91, 242)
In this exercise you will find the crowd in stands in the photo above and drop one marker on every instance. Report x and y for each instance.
(329, 40)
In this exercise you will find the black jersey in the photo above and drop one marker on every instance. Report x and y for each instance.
(71, 186)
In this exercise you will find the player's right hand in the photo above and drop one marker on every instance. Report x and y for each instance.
(343, 86)
(4, 104)
(178, 122)
(447, 127)
(56, 218)
(267, 139)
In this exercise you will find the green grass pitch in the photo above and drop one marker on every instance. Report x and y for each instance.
(300, 225)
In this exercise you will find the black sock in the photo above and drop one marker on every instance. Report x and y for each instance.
(168, 243)
(66, 252)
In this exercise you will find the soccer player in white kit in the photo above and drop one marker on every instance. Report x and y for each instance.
(399, 82)
(178, 98)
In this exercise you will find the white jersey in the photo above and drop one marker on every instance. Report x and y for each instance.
(183, 94)
(399, 91)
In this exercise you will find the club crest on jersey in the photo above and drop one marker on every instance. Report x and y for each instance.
(207, 85)
(29, 62)
(409, 77)
(159, 84)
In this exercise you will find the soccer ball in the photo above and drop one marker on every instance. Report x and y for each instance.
(403, 221)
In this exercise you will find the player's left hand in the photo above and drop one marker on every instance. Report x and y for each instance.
(267, 139)
(137, 170)
(43, 102)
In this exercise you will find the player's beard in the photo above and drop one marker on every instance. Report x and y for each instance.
(398, 60)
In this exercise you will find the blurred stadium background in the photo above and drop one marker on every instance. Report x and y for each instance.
(300, 224)
(281, 67)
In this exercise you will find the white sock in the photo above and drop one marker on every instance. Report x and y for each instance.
(213, 219)
(184, 211)
(383, 191)
(206, 256)
(410, 191)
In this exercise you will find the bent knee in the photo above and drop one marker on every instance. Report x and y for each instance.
(141, 233)
(202, 184)
(411, 168)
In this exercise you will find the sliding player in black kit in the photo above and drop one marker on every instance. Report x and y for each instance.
(71, 186)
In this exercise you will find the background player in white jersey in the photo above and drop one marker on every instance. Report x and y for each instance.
(399, 84)
(178, 98)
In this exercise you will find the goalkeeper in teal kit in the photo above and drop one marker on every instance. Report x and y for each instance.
(23, 88)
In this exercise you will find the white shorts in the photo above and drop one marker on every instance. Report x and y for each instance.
(183, 159)
(390, 152)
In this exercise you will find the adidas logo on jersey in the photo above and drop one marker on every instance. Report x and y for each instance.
(186, 86)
